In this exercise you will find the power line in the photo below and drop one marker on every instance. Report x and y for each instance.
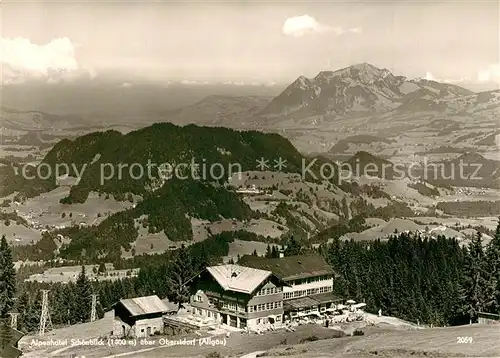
(45, 321)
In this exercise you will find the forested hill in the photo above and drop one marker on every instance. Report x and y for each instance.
(166, 205)
(161, 143)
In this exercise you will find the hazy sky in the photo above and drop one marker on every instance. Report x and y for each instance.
(251, 41)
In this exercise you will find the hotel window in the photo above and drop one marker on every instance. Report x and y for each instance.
(268, 306)
(250, 309)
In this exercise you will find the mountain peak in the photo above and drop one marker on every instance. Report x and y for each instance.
(302, 82)
(360, 88)
(362, 72)
(364, 65)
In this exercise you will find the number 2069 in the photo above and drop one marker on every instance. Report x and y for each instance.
(464, 340)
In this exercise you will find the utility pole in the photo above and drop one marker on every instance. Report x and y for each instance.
(45, 321)
(13, 320)
(93, 314)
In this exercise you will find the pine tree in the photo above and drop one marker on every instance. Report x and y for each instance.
(83, 297)
(274, 252)
(268, 251)
(7, 291)
(181, 271)
(7, 279)
(22, 306)
(31, 318)
(5, 333)
(473, 284)
(293, 247)
(492, 291)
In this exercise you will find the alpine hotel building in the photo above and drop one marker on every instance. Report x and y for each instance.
(259, 290)
(238, 296)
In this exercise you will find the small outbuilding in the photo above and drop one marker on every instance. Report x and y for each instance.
(488, 318)
(139, 317)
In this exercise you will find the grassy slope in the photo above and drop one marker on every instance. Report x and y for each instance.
(377, 341)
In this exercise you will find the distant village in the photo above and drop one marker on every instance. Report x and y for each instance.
(66, 274)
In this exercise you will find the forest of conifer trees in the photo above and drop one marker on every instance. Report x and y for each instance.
(429, 281)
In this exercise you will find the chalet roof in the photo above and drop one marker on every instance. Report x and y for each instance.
(302, 302)
(312, 300)
(290, 267)
(139, 306)
(326, 297)
(238, 278)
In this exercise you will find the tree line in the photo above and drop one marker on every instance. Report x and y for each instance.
(164, 275)
(420, 279)
(413, 277)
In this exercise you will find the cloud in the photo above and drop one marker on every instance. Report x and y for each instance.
(491, 74)
(303, 25)
(190, 82)
(126, 85)
(52, 61)
(356, 30)
(430, 77)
